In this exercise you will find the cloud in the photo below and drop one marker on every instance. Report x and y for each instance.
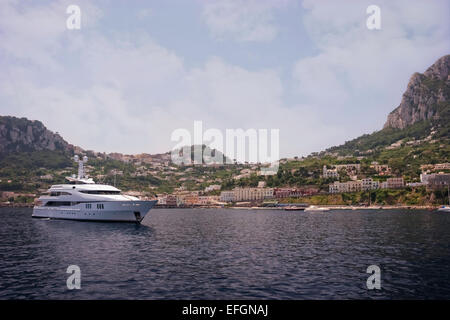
(242, 20)
(359, 73)
(144, 13)
(35, 34)
(128, 94)
(123, 91)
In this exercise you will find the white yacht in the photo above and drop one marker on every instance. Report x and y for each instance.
(82, 199)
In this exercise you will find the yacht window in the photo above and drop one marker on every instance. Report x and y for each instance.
(59, 203)
(100, 192)
(59, 193)
(77, 182)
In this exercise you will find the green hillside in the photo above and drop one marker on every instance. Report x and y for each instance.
(417, 132)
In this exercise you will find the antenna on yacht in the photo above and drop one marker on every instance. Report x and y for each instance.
(80, 165)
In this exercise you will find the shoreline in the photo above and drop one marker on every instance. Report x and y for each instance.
(17, 205)
(397, 207)
(331, 207)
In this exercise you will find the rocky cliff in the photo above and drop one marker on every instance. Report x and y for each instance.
(21, 134)
(425, 98)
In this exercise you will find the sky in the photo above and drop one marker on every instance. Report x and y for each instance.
(136, 71)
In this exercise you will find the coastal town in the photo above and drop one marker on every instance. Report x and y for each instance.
(238, 185)
(432, 177)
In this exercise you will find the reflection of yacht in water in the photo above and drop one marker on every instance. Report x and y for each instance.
(83, 199)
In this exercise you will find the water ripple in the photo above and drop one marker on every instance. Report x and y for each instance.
(228, 254)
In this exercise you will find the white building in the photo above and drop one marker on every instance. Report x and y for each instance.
(349, 186)
(369, 184)
(249, 194)
(227, 196)
(435, 179)
(329, 173)
(393, 183)
(212, 187)
(353, 186)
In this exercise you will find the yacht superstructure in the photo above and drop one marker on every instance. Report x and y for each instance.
(82, 199)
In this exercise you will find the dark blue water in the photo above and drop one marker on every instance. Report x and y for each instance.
(228, 254)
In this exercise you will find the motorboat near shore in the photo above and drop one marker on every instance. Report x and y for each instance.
(82, 199)
(295, 208)
(316, 209)
(444, 209)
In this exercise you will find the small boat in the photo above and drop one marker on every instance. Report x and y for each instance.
(316, 209)
(444, 209)
(294, 208)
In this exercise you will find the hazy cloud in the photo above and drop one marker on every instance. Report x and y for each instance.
(242, 20)
(123, 91)
(360, 72)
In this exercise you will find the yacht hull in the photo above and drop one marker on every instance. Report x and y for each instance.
(119, 211)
